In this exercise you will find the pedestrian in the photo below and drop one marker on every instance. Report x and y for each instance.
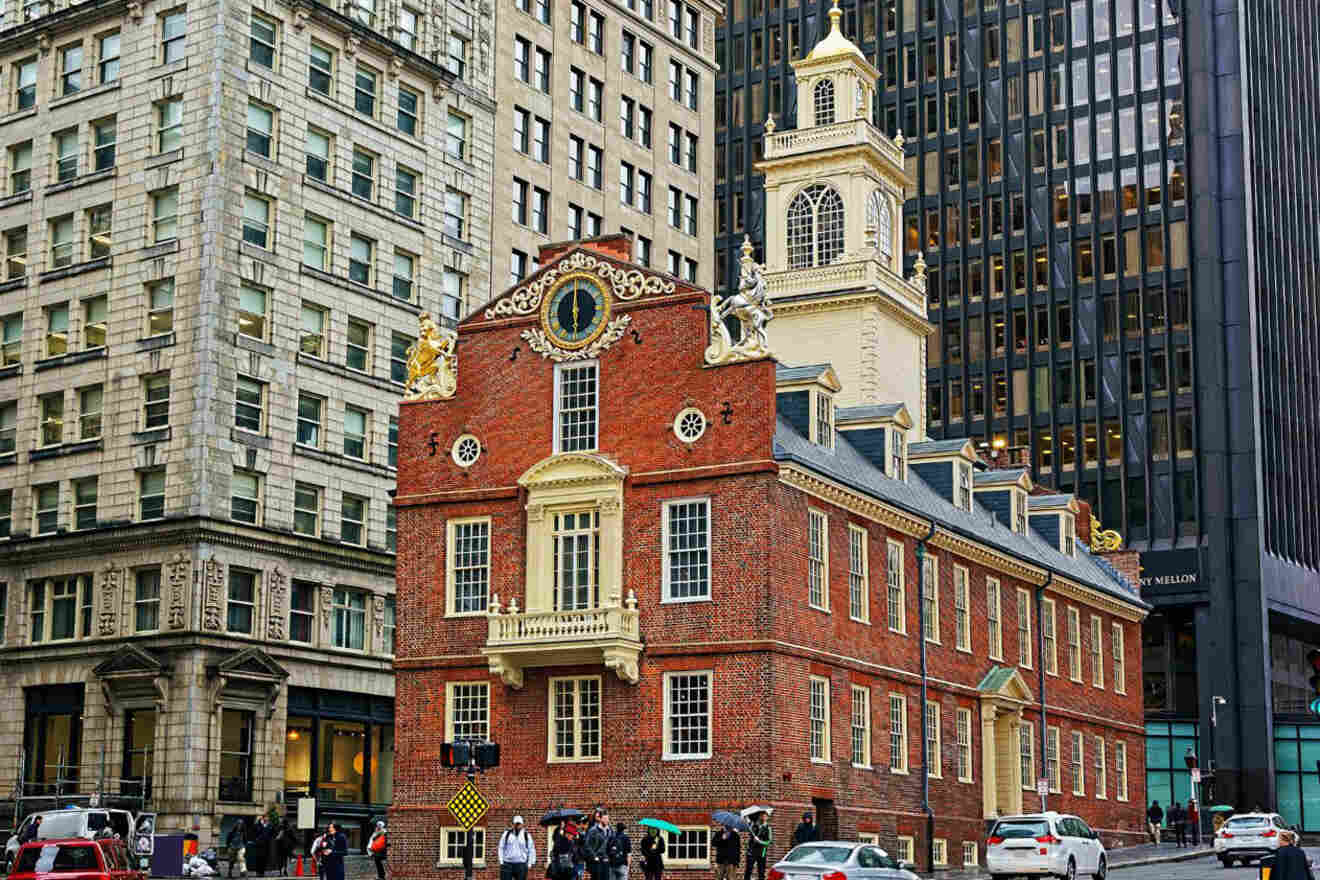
(1154, 817)
(618, 852)
(257, 840)
(315, 854)
(1290, 861)
(728, 851)
(517, 851)
(653, 855)
(236, 840)
(758, 846)
(379, 848)
(29, 833)
(334, 847)
(561, 863)
(806, 832)
(595, 843)
(578, 835)
(1178, 821)
(1194, 822)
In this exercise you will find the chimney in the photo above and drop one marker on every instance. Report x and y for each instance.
(1084, 523)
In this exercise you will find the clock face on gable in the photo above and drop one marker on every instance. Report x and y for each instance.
(576, 311)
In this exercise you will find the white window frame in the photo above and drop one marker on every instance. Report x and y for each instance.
(673, 861)
(1049, 637)
(963, 487)
(1053, 770)
(820, 398)
(900, 701)
(859, 574)
(971, 854)
(1024, 632)
(1118, 651)
(894, 587)
(559, 373)
(905, 847)
(939, 852)
(577, 719)
(868, 837)
(818, 569)
(963, 725)
(818, 713)
(930, 588)
(451, 691)
(1101, 784)
(667, 551)
(1074, 644)
(669, 754)
(962, 608)
(451, 573)
(478, 846)
(935, 747)
(1097, 652)
(860, 740)
(1077, 763)
(1120, 771)
(1027, 750)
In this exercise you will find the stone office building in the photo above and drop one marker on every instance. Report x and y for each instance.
(220, 223)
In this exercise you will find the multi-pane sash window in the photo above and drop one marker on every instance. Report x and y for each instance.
(930, 597)
(348, 619)
(898, 742)
(467, 710)
(245, 497)
(994, 619)
(542, 70)
(320, 69)
(364, 173)
(261, 42)
(894, 584)
(99, 232)
(20, 168)
(61, 246)
(66, 155)
(522, 58)
(249, 401)
(407, 35)
(169, 125)
(160, 307)
(455, 845)
(1120, 771)
(57, 329)
(361, 258)
(47, 503)
(165, 215)
(316, 244)
(353, 520)
(691, 141)
(861, 727)
(392, 446)
(1049, 638)
(858, 586)
(251, 311)
(302, 611)
(1097, 651)
(817, 560)
(16, 253)
(1052, 769)
(401, 286)
(687, 715)
(365, 90)
(456, 50)
(687, 550)
(456, 136)
(1024, 628)
(933, 736)
(406, 117)
(453, 294)
(174, 34)
(242, 598)
(576, 417)
(146, 600)
(52, 418)
(575, 707)
(6, 512)
(819, 709)
(363, 11)
(405, 192)
(1120, 663)
(1077, 764)
(355, 432)
(469, 555)
(260, 129)
(399, 345)
(645, 61)
(309, 420)
(961, 609)
(8, 428)
(358, 356)
(256, 220)
(306, 509)
(60, 608)
(1074, 645)
(90, 402)
(1101, 782)
(963, 731)
(1027, 756)
(389, 626)
(455, 217)
(25, 74)
(151, 494)
(156, 401)
(108, 53)
(576, 544)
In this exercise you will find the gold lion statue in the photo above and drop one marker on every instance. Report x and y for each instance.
(432, 362)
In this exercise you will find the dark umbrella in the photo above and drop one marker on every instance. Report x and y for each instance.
(560, 815)
(733, 820)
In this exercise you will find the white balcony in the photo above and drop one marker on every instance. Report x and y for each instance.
(609, 636)
(866, 273)
(825, 137)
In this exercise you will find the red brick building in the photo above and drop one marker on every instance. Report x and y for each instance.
(672, 587)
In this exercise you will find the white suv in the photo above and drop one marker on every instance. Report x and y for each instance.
(1045, 845)
(1248, 836)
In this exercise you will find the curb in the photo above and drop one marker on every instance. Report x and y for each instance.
(1161, 860)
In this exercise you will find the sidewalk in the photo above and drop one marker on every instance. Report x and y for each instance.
(1125, 857)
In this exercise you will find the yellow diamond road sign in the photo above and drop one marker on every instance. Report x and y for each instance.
(468, 806)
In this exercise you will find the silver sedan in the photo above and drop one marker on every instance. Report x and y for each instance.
(840, 860)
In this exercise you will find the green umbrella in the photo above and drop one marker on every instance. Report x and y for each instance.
(1222, 808)
(662, 825)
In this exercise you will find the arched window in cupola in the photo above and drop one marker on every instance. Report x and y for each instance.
(881, 218)
(824, 102)
(815, 227)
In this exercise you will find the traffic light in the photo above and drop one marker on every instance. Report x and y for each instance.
(1313, 658)
(455, 754)
(488, 755)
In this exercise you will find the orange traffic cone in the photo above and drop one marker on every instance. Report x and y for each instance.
(298, 872)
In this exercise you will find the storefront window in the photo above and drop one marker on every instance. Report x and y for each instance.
(382, 764)
(339, 748)
(1167, 776)
(52, 738)
(236, 755)
(139, 742)
(298, 757)
(340, 772)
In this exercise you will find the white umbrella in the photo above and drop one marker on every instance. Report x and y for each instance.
(754, 809)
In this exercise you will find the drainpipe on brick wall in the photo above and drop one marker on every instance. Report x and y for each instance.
(925, 742)
(1040, 677)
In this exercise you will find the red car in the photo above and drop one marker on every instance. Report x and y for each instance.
(75, 859)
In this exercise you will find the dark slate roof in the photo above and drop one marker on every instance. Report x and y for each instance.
(998, 478)
(844, 464)
(800, 374)
(1048, 501)
(937, 447)
(846, 414)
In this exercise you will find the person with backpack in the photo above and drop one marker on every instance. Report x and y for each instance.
(758, 846)
(378, 848)
(237, 843)
(517, 851)
(562, 862)
(653, 855)
(618, 849)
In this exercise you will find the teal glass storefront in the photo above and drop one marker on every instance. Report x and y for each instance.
(1167, 776)
(1296, 776)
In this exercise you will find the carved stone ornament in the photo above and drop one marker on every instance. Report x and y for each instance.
(214, 589)
(43, 42)
(542, 345)
(327, 603)
(395, 67)
(432, 362)
(626, 284)
(105, 618)
(279, 603)
(751, 306)
(378, 617)
(135, 10)
(178, 572)
(300, 16)
(351, 46)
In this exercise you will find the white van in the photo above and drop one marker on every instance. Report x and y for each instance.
(58, 824)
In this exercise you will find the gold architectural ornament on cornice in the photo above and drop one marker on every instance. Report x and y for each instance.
(432, 362)
(835, 43)
(1104, 540)
(626, 284)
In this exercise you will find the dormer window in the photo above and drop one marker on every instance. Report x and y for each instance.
(897, 454)
(823, 96)
(822, 422)
(1019, 511)
(964, 496)
(1067, 536)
